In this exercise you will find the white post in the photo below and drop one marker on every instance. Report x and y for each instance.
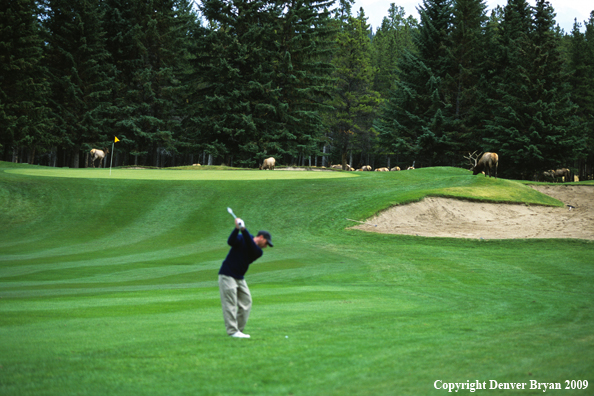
(111, 158)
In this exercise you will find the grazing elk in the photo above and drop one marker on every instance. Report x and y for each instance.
(384, 169)
(95, 153)
(394, 169)
(269, 163)
(563, 173)
(548, 175)
(486, 163)
(346, 168)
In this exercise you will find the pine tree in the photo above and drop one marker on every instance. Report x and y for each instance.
(533, 127)
(354, 101)
(148, 43)
(414, 118)
(461, 84)
(393, 36)
(433, 39)
(260, 79)
(510, 61)
(554, 113)
(81, 76)
(491, 71)
(303, 74)
(25, 119)
(581, 66)
(123, 42)
(235, 62)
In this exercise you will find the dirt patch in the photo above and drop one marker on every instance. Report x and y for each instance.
(454, 218)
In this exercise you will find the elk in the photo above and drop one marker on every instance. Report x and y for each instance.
(546, 175)
(487, 163)
(98, 154)
(563, 173)
(269, 163)
(411, 167)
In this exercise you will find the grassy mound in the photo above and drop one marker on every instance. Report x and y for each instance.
(108, 286)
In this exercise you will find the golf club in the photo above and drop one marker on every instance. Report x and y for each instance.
(240, 222)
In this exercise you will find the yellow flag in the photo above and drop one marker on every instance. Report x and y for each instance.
(116, 139)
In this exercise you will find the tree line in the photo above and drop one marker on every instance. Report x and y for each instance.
(305, 81)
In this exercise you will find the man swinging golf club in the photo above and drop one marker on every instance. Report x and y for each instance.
(235, 294)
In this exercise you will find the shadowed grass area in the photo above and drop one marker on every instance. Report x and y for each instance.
(108, 286)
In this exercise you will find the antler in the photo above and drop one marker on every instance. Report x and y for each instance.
(473, 158)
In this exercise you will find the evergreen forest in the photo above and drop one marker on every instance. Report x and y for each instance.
(308, 82)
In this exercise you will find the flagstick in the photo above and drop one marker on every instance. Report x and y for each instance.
(111, 159)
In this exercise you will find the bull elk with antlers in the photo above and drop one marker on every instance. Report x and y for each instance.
(486, 163)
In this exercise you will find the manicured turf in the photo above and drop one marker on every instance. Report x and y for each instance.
(108, 286)
(186, 174)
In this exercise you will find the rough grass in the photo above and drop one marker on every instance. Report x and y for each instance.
(108, 286)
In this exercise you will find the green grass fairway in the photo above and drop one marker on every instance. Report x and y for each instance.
(108, 286)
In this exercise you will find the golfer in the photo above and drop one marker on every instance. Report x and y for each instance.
(235, 294)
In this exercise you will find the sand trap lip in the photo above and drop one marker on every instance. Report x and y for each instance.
(455, 218)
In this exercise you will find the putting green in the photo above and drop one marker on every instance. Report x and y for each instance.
(158, 174)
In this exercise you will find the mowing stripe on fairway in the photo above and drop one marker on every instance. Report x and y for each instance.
(110, 287)
(157, 174)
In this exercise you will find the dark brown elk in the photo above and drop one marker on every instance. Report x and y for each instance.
(487, 163)
(564, 173)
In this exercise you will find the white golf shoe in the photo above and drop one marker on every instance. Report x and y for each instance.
(239, 334)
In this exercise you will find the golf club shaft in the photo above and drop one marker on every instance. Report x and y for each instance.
(240, 223)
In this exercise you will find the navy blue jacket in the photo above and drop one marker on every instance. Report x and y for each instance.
(243, 252)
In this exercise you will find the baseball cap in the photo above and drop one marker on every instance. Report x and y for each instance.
(266, 236)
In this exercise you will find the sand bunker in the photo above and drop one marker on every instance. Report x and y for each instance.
(454, 218)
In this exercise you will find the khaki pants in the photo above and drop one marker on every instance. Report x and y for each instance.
(236, 301)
